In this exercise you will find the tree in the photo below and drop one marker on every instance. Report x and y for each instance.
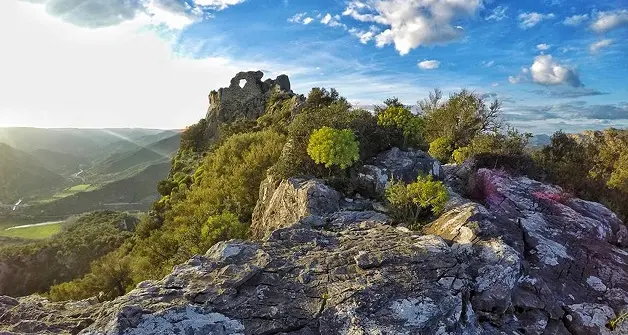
(413, 201)
(331, 146)
(462, 117)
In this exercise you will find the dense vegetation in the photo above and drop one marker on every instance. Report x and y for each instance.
(22, 175)
(213, 185)
(34, 267)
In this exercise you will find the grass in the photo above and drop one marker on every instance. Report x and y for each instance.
(33, 233)
(79, 188)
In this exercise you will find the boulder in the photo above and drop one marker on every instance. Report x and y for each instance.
(395, 164)
(292, 201)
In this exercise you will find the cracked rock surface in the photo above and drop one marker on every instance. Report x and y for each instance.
(524, 259)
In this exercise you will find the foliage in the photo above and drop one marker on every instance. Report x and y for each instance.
(441, 149)
(221, 201)
(412, 202)
(108, 278)
(592, 166)
(511, 143)
(402, 118)
(325, 108)
(36, 266)
(193, 138)
(331, 146)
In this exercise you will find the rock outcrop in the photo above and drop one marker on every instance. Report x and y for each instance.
(245, 98)
(523, 258)
(395, 164)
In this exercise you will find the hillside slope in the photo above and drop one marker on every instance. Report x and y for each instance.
(22, 175)
(135, 192)
(159, 151)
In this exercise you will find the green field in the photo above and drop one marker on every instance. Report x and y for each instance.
(36, 232)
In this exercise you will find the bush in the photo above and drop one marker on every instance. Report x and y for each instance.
(331, 146)
(415, 201)
(441, 149)
(409, 124)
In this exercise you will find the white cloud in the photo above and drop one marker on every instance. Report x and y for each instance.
(218, 4)
(301, 18)
(488, 64)
(543, 46)
(56, 74)
(411, 24)
(364, 35)
(332, 21)
(605, 21)
(546, 71)
(529, 20)
(599, 45)
(576, 20)
(514, 79)
(174, 14)
(429, 64)
(498, 13)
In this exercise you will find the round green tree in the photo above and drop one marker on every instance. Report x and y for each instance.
(332, 146)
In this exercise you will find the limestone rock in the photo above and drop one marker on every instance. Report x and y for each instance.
(527, 260)
(242, 102)
(398, 165)
(292, 201)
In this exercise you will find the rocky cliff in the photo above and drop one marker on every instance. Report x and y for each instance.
(245, 98)
(521, 257)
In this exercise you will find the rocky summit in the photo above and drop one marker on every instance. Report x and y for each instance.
(509, 256)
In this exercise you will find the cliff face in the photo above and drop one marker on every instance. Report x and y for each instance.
(521, 258)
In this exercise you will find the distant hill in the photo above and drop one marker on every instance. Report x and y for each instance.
(134, 144)
(135, 192)
(22, 175)
(540, 140)
(59, 162)
(78, 142)
(160, 151)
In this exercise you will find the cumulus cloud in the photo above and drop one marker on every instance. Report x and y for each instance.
(576, 20)
(529, 20)
(429, 64)
(301, 18)
(365, 35)
(174, 14)
(546, 71)
(543, 46)
(599, 45)
(605, 21)
(410, 24)
(498, 13)
(332, 21)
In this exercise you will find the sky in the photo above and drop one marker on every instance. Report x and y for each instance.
(555, 64)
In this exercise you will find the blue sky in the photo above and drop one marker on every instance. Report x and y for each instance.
(555, 64)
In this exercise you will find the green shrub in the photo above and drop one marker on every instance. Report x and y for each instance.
(415, 201)
(409, 124)
(331, 146)
(441, 149)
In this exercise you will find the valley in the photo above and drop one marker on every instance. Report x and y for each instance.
(48, 175)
